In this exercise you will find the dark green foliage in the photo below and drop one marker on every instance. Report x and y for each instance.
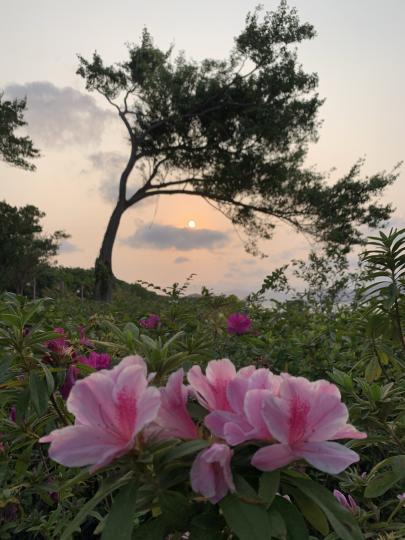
(309, 334)
(24, 249)
(15, 150)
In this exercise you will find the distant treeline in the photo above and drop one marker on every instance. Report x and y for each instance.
(60, 280)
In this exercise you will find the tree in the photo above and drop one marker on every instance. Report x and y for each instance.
(15, 150)
(234, 132)
(24, 250)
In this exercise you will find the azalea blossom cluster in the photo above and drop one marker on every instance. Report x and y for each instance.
(287, 418)
(61, 348)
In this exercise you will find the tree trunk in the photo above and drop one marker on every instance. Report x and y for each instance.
(103, 266)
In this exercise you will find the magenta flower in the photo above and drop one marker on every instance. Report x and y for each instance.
(347, 502)
(173, 419)
(210, 389)
(95, 360)
(71, 377)
(13, 413)
(110, 407)
(211, 472)
(150, 322)
(304, 418)
(84, 340)
(246, 396)
(59, 346)
(238, 323)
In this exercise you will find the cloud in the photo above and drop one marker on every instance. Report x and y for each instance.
(179, 260)
(110, 166)
(167, 236)
(60, 117)
(68, 247)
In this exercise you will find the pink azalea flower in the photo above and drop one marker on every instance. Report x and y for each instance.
(244, 420)
(211, 472)
(238, 323)
(304, 418)
(210, 389)
(347, 502)
(174, 420)
(150, 322)
(111, 407)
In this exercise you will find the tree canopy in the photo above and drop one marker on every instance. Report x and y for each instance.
(15, 150)
(24, 249)
(235, 132)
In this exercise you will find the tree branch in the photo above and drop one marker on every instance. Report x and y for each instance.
(254, 208)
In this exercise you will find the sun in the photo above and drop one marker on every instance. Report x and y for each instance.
(191, 223)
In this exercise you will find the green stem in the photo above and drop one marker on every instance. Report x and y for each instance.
(395, 511)
(59, 412)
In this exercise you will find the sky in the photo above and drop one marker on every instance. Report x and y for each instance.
(358, 55)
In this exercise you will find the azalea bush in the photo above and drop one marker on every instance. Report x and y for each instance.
(145, 421)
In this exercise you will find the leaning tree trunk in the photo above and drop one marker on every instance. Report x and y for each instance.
(104, 277)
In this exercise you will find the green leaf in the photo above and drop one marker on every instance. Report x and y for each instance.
(132, 329)
(182, 450)
(382, 482)
(247, 521)
(340, 519)
(49, 378)
(268, 486)
(311, 512)
(175, 509)
(373, 370)
(155, 529)
(277, 525)
(120, 521)
(105, 489)
(207, 526)
(296, 527)
(39, 392)
(23, 399)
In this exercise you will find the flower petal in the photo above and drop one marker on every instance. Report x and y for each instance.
(329, 457)
(273, 457)
(220, 370)
(147, 408)
(90, 400)
(349, 432)
(76, 446)
(254, 403)
(276, 415)
(202, 388)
